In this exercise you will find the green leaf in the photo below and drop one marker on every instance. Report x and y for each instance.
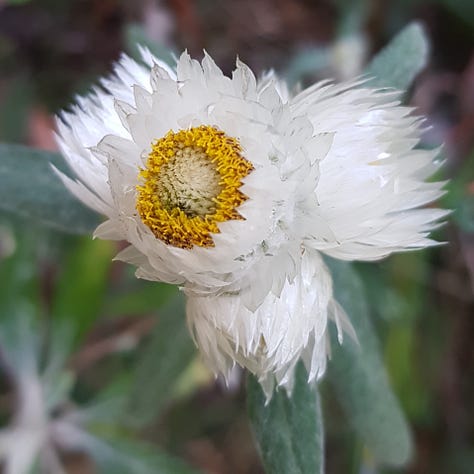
(168, 353)
(20, 303)
(126, 456)
(401, 60)
(289, 430)
(18, 271)
(82, 284)
(144, 297)
(357, 373)
(29, 188)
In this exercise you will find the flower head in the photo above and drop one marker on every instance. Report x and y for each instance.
(232, 187)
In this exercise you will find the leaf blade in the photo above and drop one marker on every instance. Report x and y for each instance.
(168, 353)
(289, 431)
(359, 378)
(78, 299)
(121, 454)
(401, 60)
(30, 188)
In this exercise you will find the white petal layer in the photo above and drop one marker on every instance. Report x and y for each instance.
(270, 340)
(335, 169)
(372, 180)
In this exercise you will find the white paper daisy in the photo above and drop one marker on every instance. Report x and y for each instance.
(231, 188)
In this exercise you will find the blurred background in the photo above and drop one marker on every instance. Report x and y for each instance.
(112, 353)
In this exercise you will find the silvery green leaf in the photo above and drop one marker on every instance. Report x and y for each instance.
(29, 188)
(78, 298)
(168, 353)
(19, 335)
(289, 430)
(359, 378)
(125, 456)
(401, 60)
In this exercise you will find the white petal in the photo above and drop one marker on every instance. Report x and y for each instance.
(269, 340)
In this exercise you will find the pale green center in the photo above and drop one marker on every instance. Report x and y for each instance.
(189, 181)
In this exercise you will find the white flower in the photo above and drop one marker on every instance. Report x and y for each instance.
(230, 187)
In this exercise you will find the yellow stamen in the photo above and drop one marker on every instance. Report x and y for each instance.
(190, 183)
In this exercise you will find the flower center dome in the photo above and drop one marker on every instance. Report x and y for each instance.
(190, 183)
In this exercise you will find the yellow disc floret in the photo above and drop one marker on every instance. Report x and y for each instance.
(190, 183)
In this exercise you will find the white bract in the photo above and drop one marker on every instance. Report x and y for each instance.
(231, 187)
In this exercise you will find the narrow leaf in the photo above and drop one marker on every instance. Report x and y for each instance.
(143, 297)
(19, 304)
(359, 378)
(82, 284)
(289, 430)
(401, 60)
(29, 188)
(168, 353)
(120, 455)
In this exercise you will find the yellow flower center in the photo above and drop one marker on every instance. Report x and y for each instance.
(190, 183)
